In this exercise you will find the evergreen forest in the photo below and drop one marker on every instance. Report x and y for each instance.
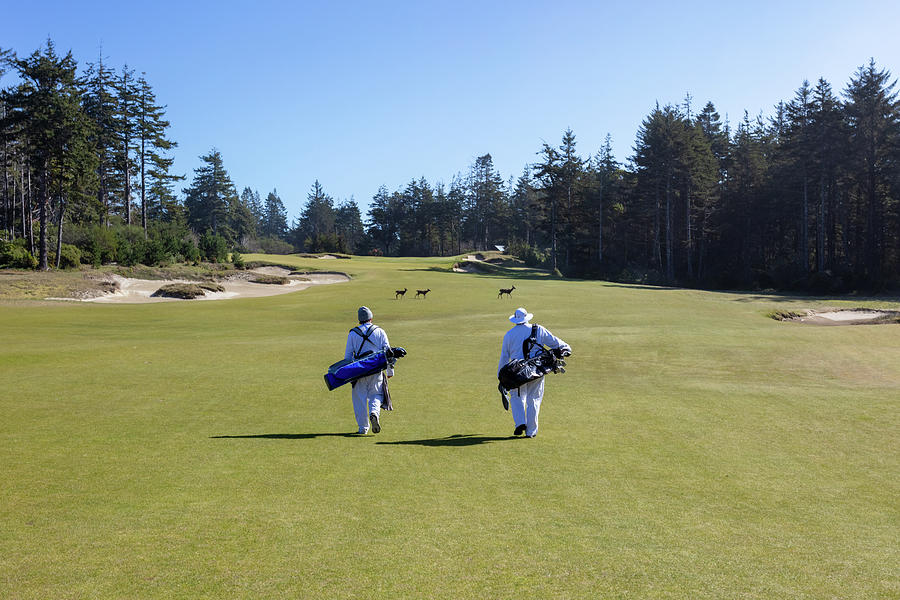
(805, 198)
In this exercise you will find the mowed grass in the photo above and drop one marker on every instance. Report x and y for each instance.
(695, 448)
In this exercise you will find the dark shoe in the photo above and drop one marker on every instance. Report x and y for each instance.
(373, 419)
(520, 429)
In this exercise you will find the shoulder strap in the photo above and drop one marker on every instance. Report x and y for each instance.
(364, 337)
(529, 342)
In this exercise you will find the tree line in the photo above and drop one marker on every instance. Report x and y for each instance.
(804, 198)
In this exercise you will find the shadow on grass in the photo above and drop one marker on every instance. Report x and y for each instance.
(282, 436)
(639, 286)
(767, 296)
(453, 440)
(528, 274)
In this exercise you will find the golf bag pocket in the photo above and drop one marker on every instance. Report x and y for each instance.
(518, 372)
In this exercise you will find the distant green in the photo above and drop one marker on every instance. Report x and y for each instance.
(695, 449)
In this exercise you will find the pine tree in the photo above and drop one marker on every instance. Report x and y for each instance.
(486, 199)
(211, 197)
(523, 197)
(126, 119)
(800, 144)
(274, 222)
(828, 143)
(873, 116)
(250, 198)
(47, 105)
(100, 106)
(548, 174)
(385, 218)
(658, 159)
(606, 173)
(349, 225)
(152, 144)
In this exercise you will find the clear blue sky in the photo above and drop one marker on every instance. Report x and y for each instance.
(360, 94)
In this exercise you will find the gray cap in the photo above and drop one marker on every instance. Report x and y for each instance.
(364, 314)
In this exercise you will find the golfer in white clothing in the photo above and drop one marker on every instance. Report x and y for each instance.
(525, 402)
(370, 393)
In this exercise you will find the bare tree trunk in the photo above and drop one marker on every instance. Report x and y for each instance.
(701, 251)
(143, 187)
(7, 211)
(804, 231)
(553, 233)
(43, 212)
(22, 199)
(820, 229)
(30, 222)
(127, 184)
(845, 229)
(12, 208)
(670, 268)
(690, 242)
(600, 227)
(657, 252)
(59, 228)
(101, 189)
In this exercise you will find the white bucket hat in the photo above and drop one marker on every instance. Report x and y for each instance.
(521, 316)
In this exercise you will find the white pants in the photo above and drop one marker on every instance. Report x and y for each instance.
(525, 405)
(368, 392)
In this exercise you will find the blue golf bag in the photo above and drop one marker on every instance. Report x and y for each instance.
(349, 370)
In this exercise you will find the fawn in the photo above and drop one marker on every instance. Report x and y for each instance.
(399, 293)
(422, 292)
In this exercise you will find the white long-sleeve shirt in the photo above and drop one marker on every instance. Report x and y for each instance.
(377, 341)
(511, 348)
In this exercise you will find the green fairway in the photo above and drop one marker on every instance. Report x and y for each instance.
(694, 449)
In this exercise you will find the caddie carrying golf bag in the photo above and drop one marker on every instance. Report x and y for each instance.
(368, 363)
(518, 372)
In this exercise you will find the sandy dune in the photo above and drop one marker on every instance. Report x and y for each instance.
(138, 291)
(845, 317)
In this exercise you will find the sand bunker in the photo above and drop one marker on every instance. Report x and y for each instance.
(852, 316)
(138, 291)
(457, 268)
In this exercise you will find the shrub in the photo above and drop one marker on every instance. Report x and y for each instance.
(325, 242)
(270, 279)
(237, 260)
(213, 247)
(130, 245)
(184, 291)
(269, 245)
(69, 256)
(189, 251)
(530, 255)
(96, 243)
(14, 255)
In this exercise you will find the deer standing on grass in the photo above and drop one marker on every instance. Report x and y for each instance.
(506, 291)
(399, 293)
(422, 292)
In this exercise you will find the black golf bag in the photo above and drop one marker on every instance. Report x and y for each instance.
(518, 372)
